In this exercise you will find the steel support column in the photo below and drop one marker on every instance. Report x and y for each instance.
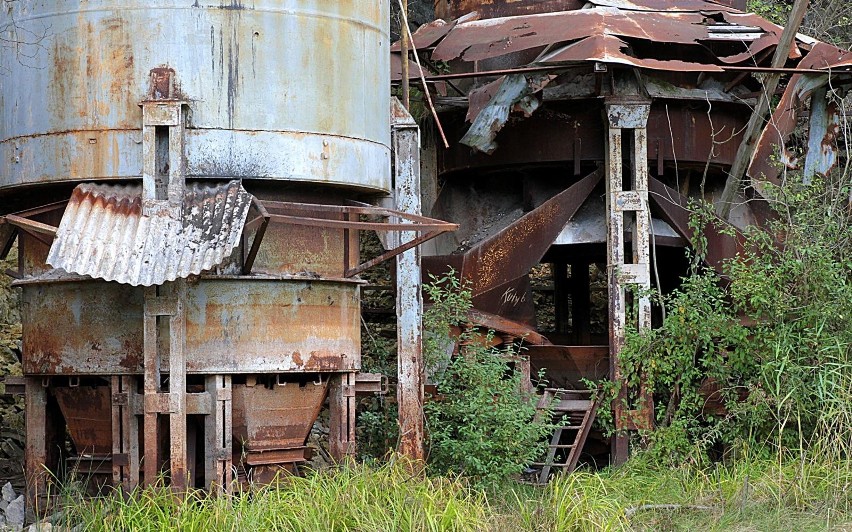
(627, 121)
(409, 290)
(35, 457)
(218, 435)
(341, 405)
(125, 433)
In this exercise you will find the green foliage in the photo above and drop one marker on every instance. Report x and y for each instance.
(481, 424)
(773, 346)
(751, 494)
(349, 498)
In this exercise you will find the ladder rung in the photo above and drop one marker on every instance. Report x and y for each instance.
(561, 446)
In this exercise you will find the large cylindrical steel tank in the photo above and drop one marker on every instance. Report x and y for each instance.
(190, 112)
(278, 89)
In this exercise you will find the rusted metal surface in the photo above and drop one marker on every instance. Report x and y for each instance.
(72, 112)
(567, 366)
(823, 131)
(484, 39)
(371, 383)
(234, 325)
(86, 410)
(773, 139)
(520, 331)
(104, 234)
(514, 93)
(511, 253)
(452, 9)
(341, 216)
(275, 415)
(409, 290)
(674, 208)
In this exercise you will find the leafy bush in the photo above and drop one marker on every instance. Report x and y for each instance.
(481, 424)
(771, 341)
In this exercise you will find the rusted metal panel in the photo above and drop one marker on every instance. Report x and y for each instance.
(567, 366)
(799, 89)
(234, 325)
(483, 39)
(87, 411)
(501, 8)
(72, 110)
(103, 233)
(514, 93)
(273, 416)
(511, 253)
(673, 5)
(498, 323)
(675, 210)
(611, 49)
(823, 131)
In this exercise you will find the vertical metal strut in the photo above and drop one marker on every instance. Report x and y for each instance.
(163, 177)
(627, 193)
(409, 295)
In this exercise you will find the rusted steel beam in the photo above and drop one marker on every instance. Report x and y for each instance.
(395, 252)
(178, 459)
(31, 226)
(35, 456)
(755, 123)
(409, 290)
(263, 223)
(13, 386)
(371, 383)
(626, 118)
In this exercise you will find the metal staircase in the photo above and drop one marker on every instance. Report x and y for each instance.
(576, 409)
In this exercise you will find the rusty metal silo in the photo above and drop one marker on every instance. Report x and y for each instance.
(185, 182)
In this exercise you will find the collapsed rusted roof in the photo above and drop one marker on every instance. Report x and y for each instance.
(680, 36)
(103, 233)
(597, 33)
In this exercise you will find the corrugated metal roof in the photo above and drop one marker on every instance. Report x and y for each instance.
(103, 233)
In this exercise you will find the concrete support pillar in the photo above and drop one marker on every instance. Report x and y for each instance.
(409, 290)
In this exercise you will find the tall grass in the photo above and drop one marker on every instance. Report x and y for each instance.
(751, 494)
(349, 498)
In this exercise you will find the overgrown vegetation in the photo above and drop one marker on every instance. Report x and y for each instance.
(770, 341)
(749, 495)
(482, 424)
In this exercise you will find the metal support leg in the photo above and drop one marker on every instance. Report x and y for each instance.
(125, 434)
(409, 297)
(341, 402)
(35, 458)
(218, 435)
(168, 305)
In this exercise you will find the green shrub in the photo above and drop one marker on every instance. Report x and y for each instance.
(482, 424)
